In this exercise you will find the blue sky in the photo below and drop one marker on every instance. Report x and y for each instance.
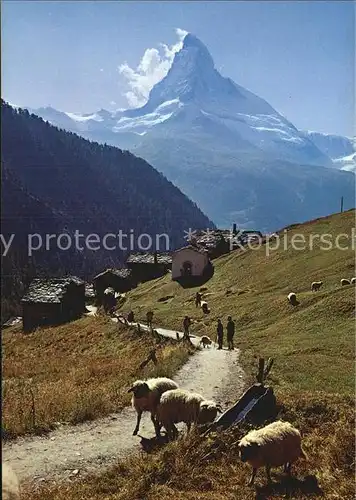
(299, 56)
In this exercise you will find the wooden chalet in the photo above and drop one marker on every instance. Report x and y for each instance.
(146, 266)
(121, 280)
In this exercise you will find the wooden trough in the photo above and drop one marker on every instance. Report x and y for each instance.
(256, 405)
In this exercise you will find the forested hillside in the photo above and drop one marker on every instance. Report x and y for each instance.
(55, 182)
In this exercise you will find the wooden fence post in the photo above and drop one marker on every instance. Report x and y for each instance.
(261, 366)
(152, 357)
(268, 368)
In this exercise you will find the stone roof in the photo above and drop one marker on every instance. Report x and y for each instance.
(148, 258)
(212, 238)
(50, 290)
(120, 273)
(194, 248)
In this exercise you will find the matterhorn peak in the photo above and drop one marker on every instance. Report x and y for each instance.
(192, 72)
(194, 51)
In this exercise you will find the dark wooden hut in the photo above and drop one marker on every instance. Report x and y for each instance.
(146, 266)
(121, 280)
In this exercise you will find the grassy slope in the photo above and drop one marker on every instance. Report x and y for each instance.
(78, 371)
(313, 344)
(313, 347)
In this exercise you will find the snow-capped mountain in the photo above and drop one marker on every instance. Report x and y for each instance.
(226, 148)
(342, 150)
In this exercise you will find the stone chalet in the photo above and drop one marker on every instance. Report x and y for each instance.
(218, 242)
(52, 301)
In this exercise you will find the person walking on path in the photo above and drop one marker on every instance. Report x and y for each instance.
(197, 299)
(149, 317)
(220, 334)
(186, 326)
(230, 332)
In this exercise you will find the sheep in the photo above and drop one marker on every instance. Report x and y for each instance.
(344, 281)
(205, 340)
(10, 484)
(204, 306)
(275, 444)
(179, 405)
(292, 299)
(353, 281)
(315, 286)
(146, 396)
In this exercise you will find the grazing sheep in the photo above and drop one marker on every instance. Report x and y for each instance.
(179, 405)
(353, 281)
(292, 299)
(275, 444)
(10, 484)
(204, 306)
(315, 286)
(345, 282)
(146, 396)
(205, 340)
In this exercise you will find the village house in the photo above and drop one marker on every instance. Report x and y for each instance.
(190, 262)
(214, 242)
(218, 242)
(121, 280)
(52, 301)
(146, 266)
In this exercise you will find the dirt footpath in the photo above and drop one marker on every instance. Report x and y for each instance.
(72, 450)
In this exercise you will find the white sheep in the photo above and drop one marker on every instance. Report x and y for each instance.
(274, 445)
(179, 405)
(292, 299)
(205, 340)
(315, 286)
(344, 281)
(146, 396)
(353, 281)
(10, 484)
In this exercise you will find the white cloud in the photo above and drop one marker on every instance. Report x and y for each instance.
(152, 68)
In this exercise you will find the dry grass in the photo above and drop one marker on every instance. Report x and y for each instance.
(75, 372)
(210, 469)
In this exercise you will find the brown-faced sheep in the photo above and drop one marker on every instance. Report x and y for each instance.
(205, 340)
(10, 484)
(345, 281)
(183, 406)
(316, 285)
(146, 396)
(274, 445)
